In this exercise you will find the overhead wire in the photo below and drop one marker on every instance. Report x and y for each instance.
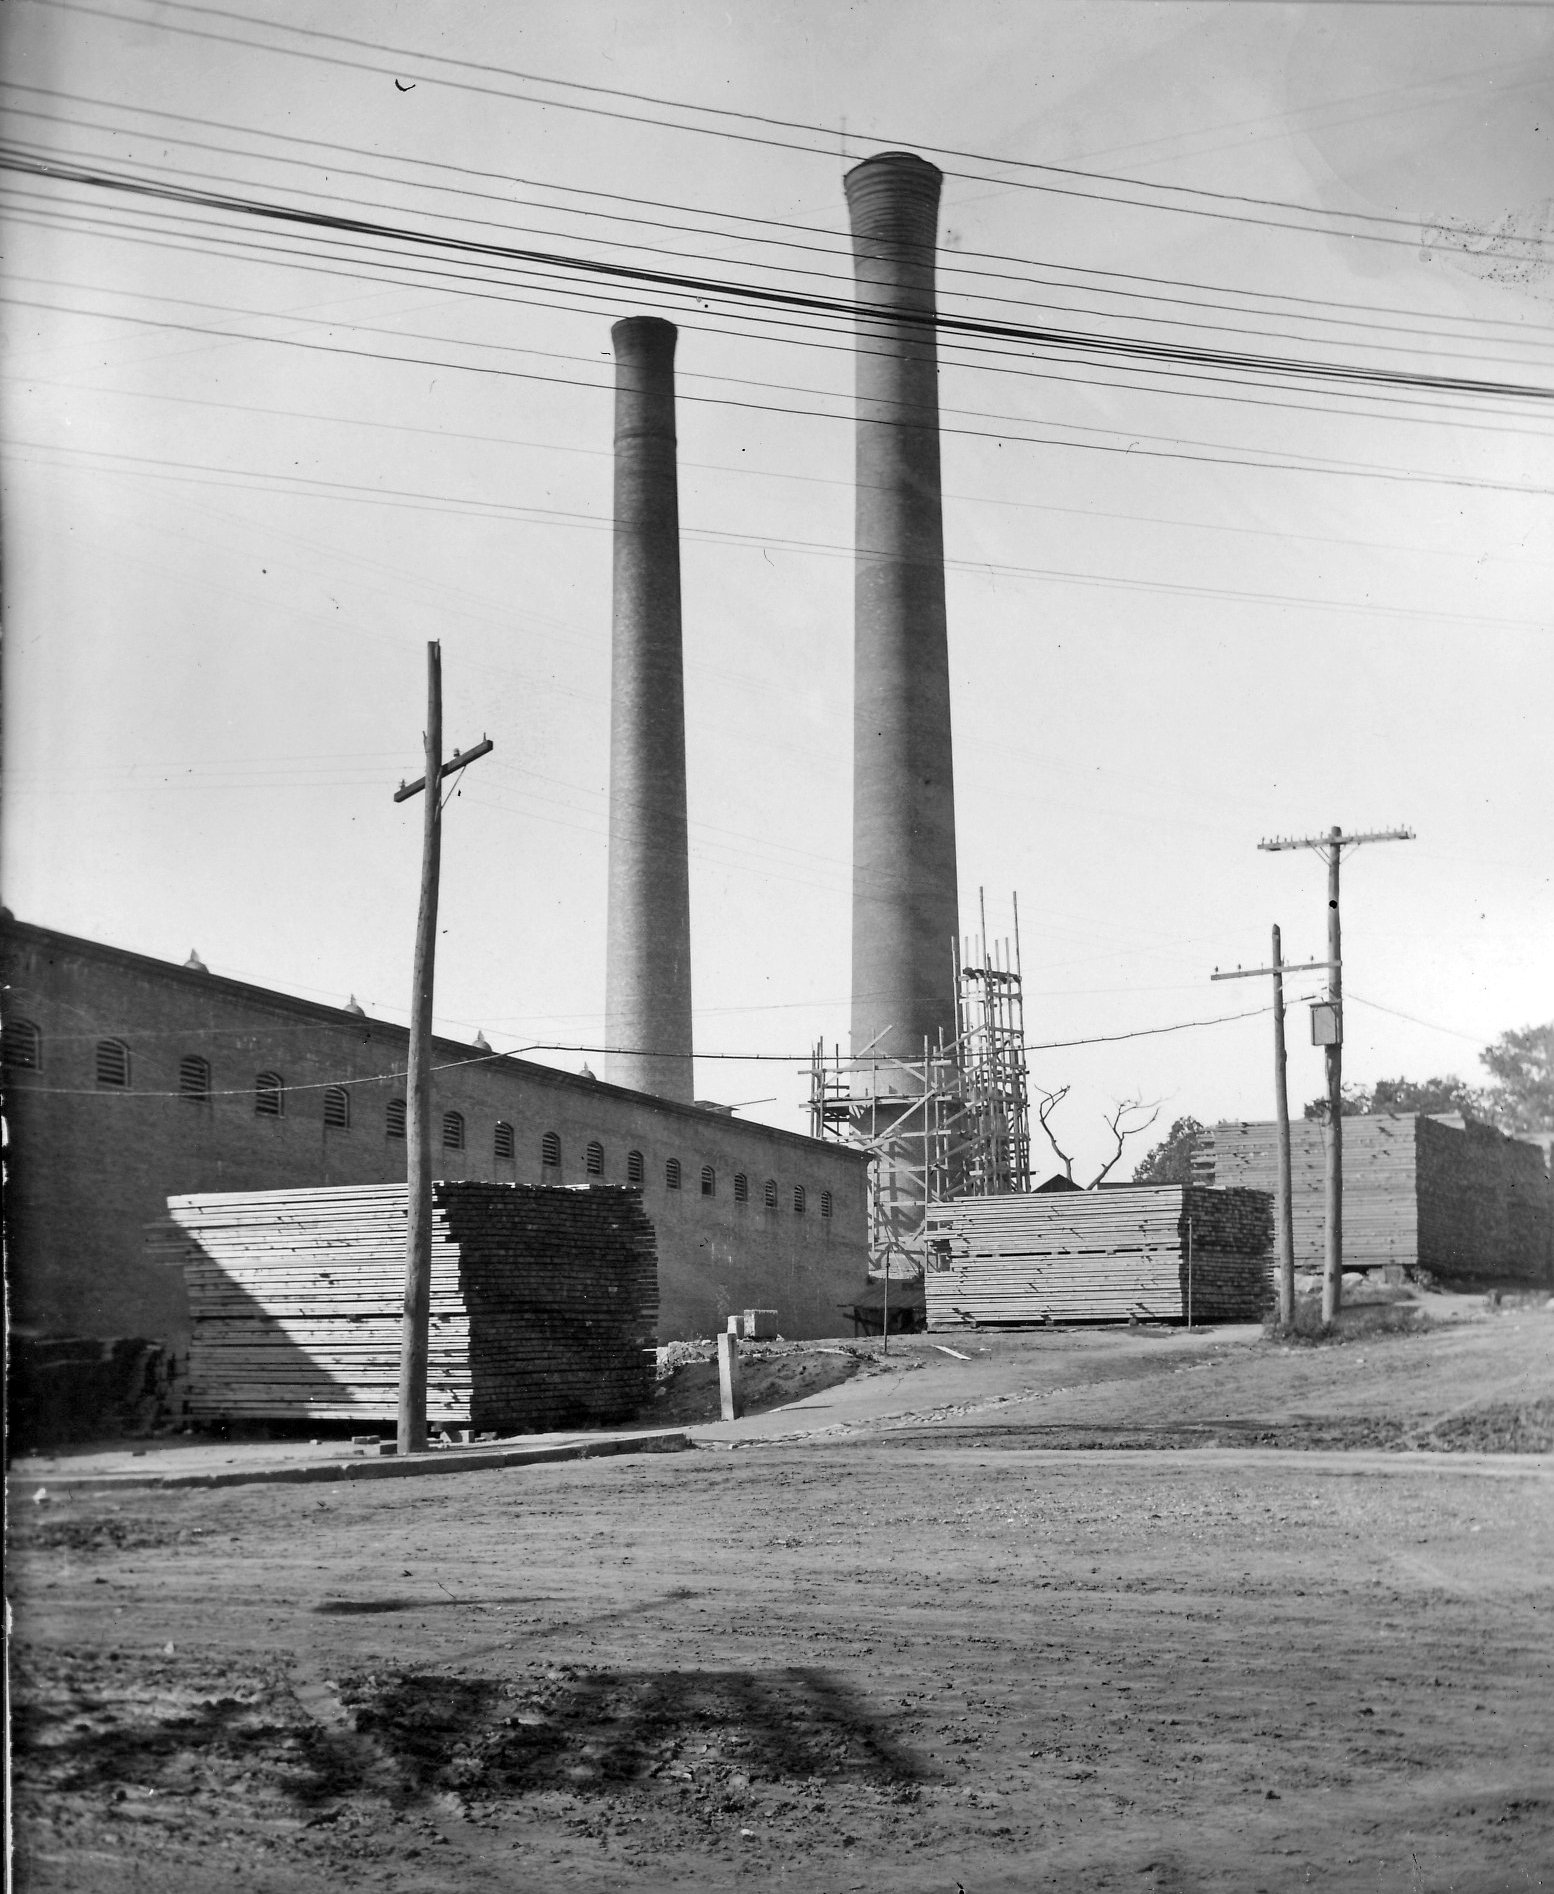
(1400, 407)
(743, 469)
(801, 1059)
(1088, 343)
(1006, 435)
(727, 130)
(950, 262)
(948, 266)
(314, 487)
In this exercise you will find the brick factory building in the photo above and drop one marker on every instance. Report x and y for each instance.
(130, 1080)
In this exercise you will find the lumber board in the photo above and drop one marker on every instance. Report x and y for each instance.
(544, 1302)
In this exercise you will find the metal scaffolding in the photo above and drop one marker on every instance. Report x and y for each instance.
(954, 1123)
(992, 1061)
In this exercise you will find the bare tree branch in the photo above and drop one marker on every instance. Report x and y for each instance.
(1044, 1111)
(1115, 1125)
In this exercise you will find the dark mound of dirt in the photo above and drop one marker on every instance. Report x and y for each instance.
(771, 1376)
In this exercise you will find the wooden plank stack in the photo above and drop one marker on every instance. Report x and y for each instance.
(1454, 1197)
(544, 1303)
(1096, 1256)
(1380, 1216)
(1484, 1211)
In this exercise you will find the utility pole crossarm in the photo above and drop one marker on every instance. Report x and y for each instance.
(1255, 973)
(458, 761)
(1276, 843)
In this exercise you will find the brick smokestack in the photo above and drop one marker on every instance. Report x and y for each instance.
(647, 998)
(905, 898)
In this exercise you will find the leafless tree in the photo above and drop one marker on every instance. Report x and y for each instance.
(1049, 1104)
(1121, 1132)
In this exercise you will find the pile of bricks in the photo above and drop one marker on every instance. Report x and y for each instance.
(544, 1304)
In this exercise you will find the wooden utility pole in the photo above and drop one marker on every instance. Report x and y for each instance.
(1327, 1029)
(1283, 1209)
(416, 1330)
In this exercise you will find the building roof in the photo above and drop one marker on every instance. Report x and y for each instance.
(199, 980)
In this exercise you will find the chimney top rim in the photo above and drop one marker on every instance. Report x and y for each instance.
(896, 160)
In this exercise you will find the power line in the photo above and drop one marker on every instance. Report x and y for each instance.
(741, 469)
(724, 113)
(950, 262)
(841, 307)
(1389, 405)
(1004, 435)
(801, 1059)
(312, 485)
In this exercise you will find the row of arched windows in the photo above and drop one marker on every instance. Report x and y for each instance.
(674, 1176)
(22, 1046)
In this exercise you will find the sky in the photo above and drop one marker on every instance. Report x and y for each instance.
(250, 468)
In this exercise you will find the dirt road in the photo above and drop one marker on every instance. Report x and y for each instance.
(856, 1660)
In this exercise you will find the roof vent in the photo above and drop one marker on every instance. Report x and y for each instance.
(194, 963)
(583, 1072)
(482, 1043)
(354, 1005)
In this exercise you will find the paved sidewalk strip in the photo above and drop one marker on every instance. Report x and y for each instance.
(436, 1460)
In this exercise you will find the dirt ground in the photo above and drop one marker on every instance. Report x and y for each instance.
(889, 1638)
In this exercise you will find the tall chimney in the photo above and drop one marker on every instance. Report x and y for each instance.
(905, 902)
(647, 993)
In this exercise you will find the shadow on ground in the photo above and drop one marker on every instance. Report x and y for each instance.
(132, 1730)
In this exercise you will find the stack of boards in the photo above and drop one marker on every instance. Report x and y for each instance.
(1457, 1198)
(1100, 1255)
(543, 1311)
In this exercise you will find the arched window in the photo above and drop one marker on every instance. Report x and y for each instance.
(709, 1181)
(504, 1144)
(21, 1045)
(453, 1131)
(672, 1174)
(394, 1124)
(798, 1200)
(769, 1193)
(635, 1169)
(269, 1095)
(337, 1108)
(550, 1150)
(741, 1187)
(593, 1158)
(194, 1076)
(826, 1203)
(113, 1064)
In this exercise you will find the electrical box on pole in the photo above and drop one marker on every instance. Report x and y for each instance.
(1327, 1024)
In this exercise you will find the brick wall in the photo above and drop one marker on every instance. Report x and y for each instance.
(91, 1166)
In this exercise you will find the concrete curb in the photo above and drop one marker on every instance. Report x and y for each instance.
(440, 1460)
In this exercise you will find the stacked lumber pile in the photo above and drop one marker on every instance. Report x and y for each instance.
(1457, 1198)
(1484, 1213)
(1095, 1256)
(1380, 1217)
(544, 1304)
(561, 1288)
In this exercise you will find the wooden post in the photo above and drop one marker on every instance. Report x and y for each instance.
(1284, 1209)
(732, 1404)
(415, 1335)
(1333, 1260)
